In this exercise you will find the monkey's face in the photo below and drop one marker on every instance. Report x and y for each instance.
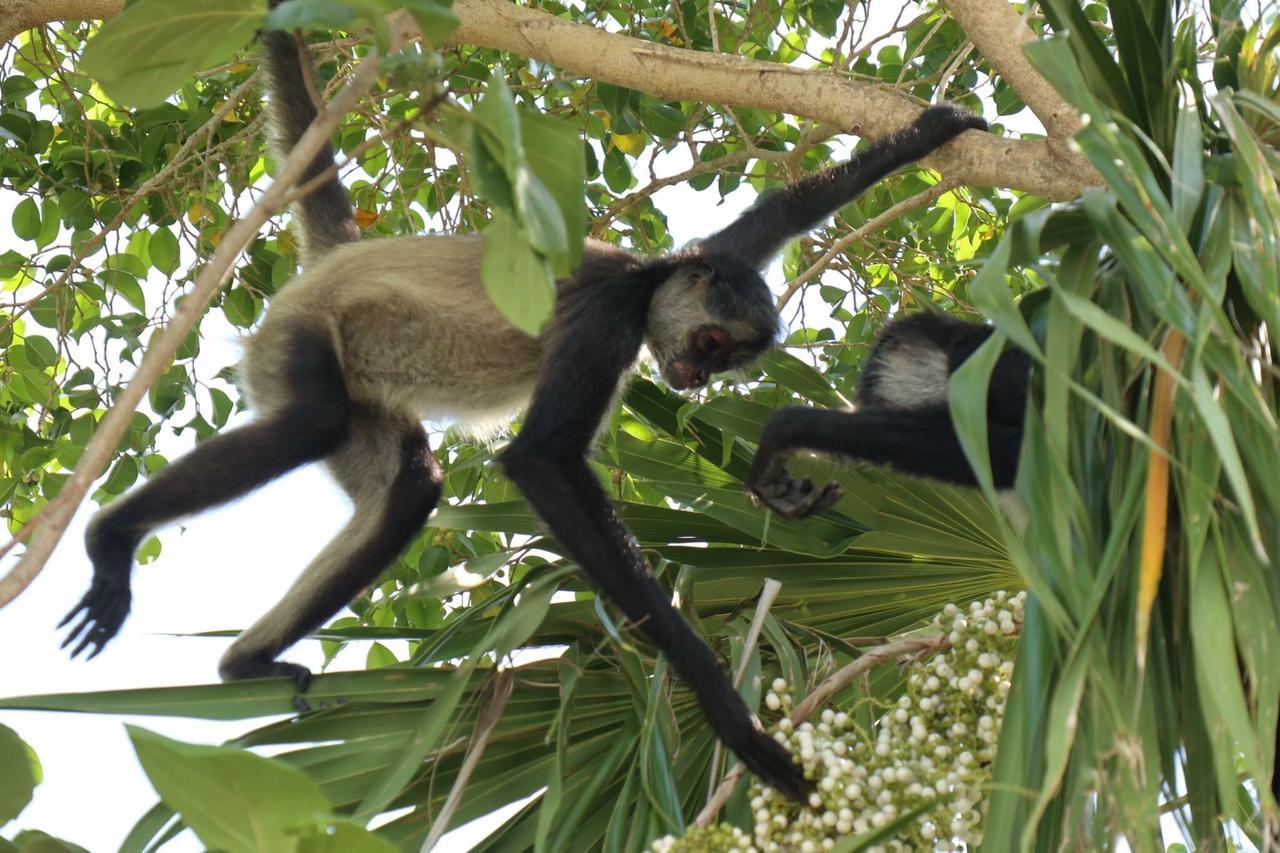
(704, 320)
(705, 353)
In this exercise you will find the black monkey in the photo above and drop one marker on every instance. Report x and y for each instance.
(374, 336)
(902, 418)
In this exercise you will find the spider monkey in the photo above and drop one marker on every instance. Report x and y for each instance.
(903, 418)
(373, 337)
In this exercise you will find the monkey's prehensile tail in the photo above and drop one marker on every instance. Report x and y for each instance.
(326, 216)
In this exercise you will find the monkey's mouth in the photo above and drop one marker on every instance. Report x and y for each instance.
(683, 376)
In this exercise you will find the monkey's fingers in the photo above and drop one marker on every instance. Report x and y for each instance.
(819, 499)
(104, 608)
(773, 763)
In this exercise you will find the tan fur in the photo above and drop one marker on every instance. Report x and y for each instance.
(410, 319)
(365, 468)
(415, 331)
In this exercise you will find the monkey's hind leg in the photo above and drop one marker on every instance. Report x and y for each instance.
(307, 422)
(394, 481)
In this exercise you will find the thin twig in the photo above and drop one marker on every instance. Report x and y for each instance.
(904, 647)
(53, 518)
(875, 224)
(768, 593)
(490, 712)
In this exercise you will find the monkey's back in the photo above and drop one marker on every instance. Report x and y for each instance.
(413, 328)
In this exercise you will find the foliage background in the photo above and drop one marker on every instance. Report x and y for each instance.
(1187, 231)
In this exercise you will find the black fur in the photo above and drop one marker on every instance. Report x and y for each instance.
(310, 426)
(326, 212)
(547, 461)
(758, 234)
(917, 439)
(604, 314)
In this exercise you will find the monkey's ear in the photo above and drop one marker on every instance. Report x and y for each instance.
(699, 274)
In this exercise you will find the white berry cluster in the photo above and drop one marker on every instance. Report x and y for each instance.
(934, 748)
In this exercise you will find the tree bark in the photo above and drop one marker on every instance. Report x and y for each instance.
(999, 32)
(679, 74)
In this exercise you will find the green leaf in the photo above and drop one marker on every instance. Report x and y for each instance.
(517, 280)
(301, 14)
(795, 375)
(499, 122)
(169, 391)
(435, 20)
(122, 475)
(231, 798)
(489, 175)
(344, 836)
(552, 149)
(661, 119)
(539, 214)
(222, 406)
(163, 249)
(127, 286)
(40, 352)
(21, 774)
(76, 209)
(240, 307)
(518, 624)
(50, 223)
(154, 46)
(26, 219)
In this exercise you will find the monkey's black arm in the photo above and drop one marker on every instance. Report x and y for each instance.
(547, 462)
(913, 441)
(758, 234)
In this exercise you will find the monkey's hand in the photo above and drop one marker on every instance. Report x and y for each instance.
(105, 607)
(941, 123)
(794, 498)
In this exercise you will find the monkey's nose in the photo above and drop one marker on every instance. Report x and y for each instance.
(699, 378)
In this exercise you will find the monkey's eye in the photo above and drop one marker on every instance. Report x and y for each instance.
(711, 341)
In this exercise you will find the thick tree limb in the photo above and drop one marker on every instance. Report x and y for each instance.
(999, 32)
(732, 81)
(51, 522)
(17, 16)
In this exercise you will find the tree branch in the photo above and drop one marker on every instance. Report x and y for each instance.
(17, 16)
(51, 522)
(999, 32)
(680, 74)
(672, 73)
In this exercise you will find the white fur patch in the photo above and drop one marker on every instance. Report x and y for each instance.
(912, 374)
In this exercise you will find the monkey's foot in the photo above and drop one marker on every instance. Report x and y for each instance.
(775, 766)
(105, 607)
(794, 498)
(254, 666)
